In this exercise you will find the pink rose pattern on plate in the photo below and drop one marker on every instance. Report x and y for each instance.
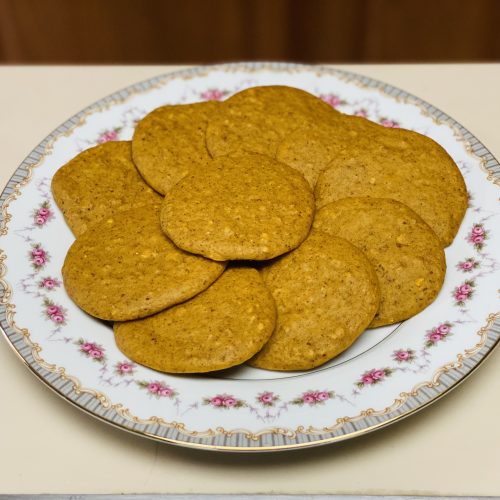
(54, 312)
(387, 122)
(373, 377)
(157, 389)
(267, 398)
(332, 99)
(438, 334)
(477, 236)
(91, 350)
(404, 355)
(126, 370)
(123, 368)
(127, 121)
(214, 95)
(313, 398)
(463, 292)
(49, 283)
(224, 402)
(43, 214)
(109, 135)
(38, 256)
(468, 265)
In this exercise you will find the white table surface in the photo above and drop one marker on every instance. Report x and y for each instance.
(48, 446)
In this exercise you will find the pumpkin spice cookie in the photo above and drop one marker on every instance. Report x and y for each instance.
(99, 182)
(356, 157)
(404, 251)
(311, 150)
(326, 294)
(246, 206)
(169, 141)
(124, 268)
(219, 328)
(257, 119)
(407, 167)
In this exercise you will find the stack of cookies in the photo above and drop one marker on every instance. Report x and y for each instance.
(269, 229)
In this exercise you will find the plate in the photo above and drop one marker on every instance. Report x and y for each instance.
(388, 374)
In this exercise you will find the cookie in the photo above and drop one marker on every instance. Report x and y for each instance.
(219, 328)
(169, 141)
(246, 206)
(124, 267)
(360, 158)
(405, 252)
(99, 182)
(310, 150)
(257, 119)
(326, 294)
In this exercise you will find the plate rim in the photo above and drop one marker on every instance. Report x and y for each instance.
(491, 330)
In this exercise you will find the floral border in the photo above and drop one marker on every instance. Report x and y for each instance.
(306, 397)
(122, 373)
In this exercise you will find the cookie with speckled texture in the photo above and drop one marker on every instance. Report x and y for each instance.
(405, 252)
(124, 267)
(99, 182)
(245, 206)
(170, 140)
(326, 294)
(360, 158)
(258, 119)
(219, 328)
(310, 150)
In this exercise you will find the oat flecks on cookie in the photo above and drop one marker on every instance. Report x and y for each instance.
(326, 294)
(259, 118)
(170, 141)
(125, 268)
(355, 157)
(406, 253)
(244, 206)
(219, 328)
(99, 182)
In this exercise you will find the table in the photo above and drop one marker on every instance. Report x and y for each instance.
(48, 446)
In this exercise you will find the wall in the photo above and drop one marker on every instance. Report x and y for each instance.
(162, 31)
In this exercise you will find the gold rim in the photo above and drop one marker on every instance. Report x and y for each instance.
(202, 446)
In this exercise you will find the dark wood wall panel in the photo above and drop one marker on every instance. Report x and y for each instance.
(163, 31)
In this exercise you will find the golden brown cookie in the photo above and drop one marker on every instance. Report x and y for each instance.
(246, 206)
(124, 267)
(219, 328)
(326, 294)
(257, 119)
(360, 158)
(310, 150)
(405, 252)
(99, 182)
(169, 141)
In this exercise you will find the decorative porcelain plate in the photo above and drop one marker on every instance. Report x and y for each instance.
(387, 374)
